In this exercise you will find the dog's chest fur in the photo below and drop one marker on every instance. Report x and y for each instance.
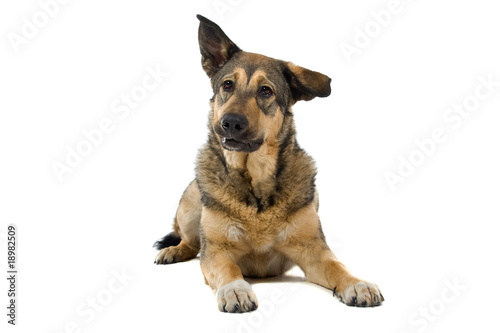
(257, 191)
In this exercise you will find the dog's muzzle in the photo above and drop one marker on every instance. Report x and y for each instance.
(234, 134)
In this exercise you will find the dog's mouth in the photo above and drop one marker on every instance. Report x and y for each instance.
(245, 146)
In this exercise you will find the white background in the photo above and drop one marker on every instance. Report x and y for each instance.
(104, 216)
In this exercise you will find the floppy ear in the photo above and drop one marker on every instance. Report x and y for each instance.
(215, 47)
(306, 84)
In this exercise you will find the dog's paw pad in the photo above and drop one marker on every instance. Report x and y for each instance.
(236, 296)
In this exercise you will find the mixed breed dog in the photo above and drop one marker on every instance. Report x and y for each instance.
(252, 210)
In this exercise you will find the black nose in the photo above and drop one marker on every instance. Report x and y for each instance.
(233, 123)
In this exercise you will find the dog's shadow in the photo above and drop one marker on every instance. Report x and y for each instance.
(288, 277)
(275, 279)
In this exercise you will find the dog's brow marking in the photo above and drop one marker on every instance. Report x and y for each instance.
(240, 75)
(259, 77)
(235, 75)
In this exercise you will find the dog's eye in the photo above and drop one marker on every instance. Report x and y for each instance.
(266, 91)
(227, 85)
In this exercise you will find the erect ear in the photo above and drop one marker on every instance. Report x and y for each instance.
(215, 47)
(306, 84)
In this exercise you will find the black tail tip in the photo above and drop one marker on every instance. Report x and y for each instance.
(169, 240)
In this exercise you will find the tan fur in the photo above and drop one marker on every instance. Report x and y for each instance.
(261, 164)
(239, 76)
(236, 159)
(188, 216)
(222, 251)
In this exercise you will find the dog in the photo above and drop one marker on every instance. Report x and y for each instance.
(252, 210)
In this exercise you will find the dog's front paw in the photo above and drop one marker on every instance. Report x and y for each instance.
(359, 293)
(236, 296)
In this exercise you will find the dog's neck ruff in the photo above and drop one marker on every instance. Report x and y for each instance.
(280, 175)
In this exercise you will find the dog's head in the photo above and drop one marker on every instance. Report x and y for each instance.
(252, 92)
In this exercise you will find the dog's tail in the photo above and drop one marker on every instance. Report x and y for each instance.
(171, 239)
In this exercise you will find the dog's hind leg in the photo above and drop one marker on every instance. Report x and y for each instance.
(184, 242)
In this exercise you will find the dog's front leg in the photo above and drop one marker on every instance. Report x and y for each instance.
(220, 250)
(306, 246)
